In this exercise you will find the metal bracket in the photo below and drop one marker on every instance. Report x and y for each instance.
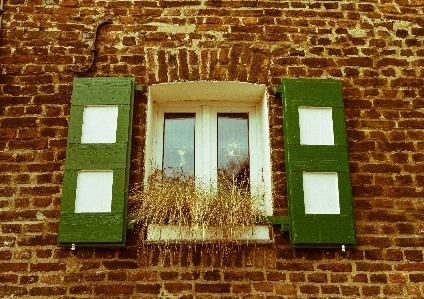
(284, 221)
(93, 48)
(278, 89)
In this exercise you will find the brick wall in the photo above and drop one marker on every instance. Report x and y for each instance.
(375, 47)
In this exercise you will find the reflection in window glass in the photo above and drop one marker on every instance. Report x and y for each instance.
(233, 148)
(178, 143)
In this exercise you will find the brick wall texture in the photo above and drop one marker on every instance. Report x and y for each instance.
(375, 47)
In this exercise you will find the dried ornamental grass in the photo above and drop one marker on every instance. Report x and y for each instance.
(177, 202)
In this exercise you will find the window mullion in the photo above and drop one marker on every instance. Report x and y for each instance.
(207, 149)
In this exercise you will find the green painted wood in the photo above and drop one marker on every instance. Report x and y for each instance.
(278, 219)
(102, 91)
(124, 117)
(320, 158)
(312, 92)
(323, 230)
(87, 227)
(329, 231)
(75, 127)
(69, 191)
(96, 156)
(97, 229)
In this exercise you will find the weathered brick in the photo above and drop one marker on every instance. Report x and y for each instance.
(212, 288)
(78, 290)
(119, 265)
(10, 291)
(148, 289)
(47, 291)
(414, 255)
(309, 289)
(177, 287)
(5, 254)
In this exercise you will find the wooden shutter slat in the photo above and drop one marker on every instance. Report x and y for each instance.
(317, 158)
(317, 93)
(102, 91)
(85, 228)
(329, 230)
(96, 157)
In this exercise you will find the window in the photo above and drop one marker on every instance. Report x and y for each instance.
(212, 130)
(222, 133)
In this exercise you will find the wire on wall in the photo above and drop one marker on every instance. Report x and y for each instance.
(93, 48)
(1, 12)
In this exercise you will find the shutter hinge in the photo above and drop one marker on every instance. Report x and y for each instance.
(283, 220)
(278, 89)
(138, 87)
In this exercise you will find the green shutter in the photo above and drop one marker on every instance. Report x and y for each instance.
(321, 229)
(97, 228)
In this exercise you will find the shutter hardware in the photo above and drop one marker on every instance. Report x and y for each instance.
(93, 48)
(282, 220)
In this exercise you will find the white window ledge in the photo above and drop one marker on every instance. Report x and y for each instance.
(185, 234)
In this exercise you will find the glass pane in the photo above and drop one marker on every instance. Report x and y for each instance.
(233, 148)
(178, 143)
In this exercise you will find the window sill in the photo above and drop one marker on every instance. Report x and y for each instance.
(184, 234)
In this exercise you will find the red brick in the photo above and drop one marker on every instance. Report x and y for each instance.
(309, 289)
(28, 279)
(8, 278)
(211, 275)
(241, 288)
(286, 289)
(5, 254)
(148, 289)
(275, 276)
(212, 288)
(263, 287)
(177, 287)
(317, 277)
(113, 289)
(78, 290)
(392, 289)
(330, 289)
(370, 291)
(10, 291)
(336, 267)
(295, 266)
(168, 275)
(46, 267)
(255, 276)
(47, 291)
(119, 265)
(13, 267)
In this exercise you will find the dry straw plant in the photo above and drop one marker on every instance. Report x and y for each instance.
(182, 212)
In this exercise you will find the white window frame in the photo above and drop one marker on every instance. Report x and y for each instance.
(206, 99)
